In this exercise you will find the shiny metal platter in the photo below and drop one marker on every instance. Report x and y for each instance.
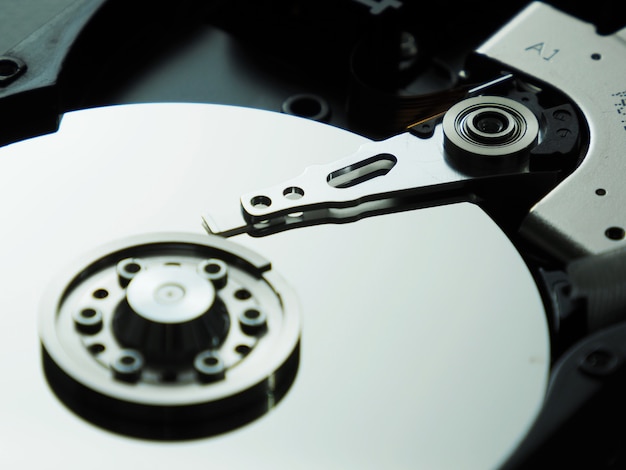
(424, 342)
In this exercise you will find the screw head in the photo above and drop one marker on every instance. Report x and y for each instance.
(600, 361)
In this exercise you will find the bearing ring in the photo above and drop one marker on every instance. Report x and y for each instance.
(489, 133)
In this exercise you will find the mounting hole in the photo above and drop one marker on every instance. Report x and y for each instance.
(615, 233)
(294, 193)
(8, 68)
(96, 348)
(101, 294)
(307, 106)
(243, 349)
(601, 192)
(596, 56)
(260, 202)
(243, 294)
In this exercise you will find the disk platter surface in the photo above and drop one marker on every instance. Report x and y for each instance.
(424, 342)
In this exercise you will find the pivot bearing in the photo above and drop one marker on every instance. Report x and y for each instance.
(489, 133)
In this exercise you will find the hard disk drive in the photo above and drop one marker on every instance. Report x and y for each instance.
(428, 278)
(379, 379)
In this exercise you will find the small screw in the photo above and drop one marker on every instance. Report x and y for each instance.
(128, 365)
(209, 367)
(215, 270)
(88, 321)
(600, 362)
(561, 115)
(127, 269)
(563, 132)
(253, 321)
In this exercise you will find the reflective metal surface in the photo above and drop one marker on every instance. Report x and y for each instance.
(424, 340)
(584, 214)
